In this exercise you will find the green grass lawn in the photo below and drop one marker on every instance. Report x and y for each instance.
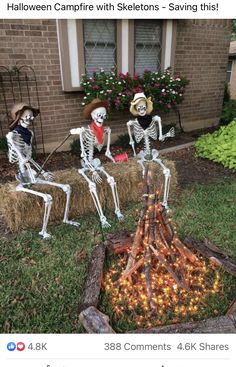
(41, 281)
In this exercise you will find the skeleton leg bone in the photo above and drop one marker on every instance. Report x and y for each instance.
(93, 192)
(113, 186)
(166, 173)
(67, 190)
(48, 204)
(141, 162)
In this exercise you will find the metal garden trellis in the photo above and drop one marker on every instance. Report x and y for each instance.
(19, 84)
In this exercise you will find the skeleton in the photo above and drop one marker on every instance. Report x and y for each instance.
(30, 172)
(89, 140)
(139, 107)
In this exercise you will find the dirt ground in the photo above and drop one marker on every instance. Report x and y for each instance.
(192, 169)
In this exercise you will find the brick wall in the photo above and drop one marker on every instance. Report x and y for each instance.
(34, 42)
(201, 55)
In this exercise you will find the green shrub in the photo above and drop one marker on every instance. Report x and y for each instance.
(226, 93)
(3, 144)
(229, 112)
(75, 147)
(220, 146)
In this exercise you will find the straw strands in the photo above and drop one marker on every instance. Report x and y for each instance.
(22, 210)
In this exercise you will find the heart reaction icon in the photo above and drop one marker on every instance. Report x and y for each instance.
(20, 346)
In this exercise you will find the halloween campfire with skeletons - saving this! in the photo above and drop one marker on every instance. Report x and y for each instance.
(158, 274)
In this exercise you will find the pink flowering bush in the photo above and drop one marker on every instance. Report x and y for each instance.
(165, 89)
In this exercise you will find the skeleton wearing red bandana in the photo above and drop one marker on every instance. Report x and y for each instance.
(94, 136)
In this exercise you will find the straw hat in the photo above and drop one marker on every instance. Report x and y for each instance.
(137, 98)
(93, 105)
(17, 110)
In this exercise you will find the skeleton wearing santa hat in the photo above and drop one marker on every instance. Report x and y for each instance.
(92, 137)
(19, 141)
(144, 127)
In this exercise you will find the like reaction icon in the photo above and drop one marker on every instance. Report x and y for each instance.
(11, 346)
(20, 346)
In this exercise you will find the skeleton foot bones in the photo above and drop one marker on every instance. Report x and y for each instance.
(19, 141)
(94, 137)
(143, 128)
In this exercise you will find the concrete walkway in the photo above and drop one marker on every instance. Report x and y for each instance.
(177, 147)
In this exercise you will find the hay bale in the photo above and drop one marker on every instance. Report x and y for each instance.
(22, 210)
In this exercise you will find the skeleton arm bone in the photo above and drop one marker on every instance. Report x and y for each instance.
(169, 134)
(47, 175)
(79, 131)
(131, 140)
(158, 120)
(108, 152)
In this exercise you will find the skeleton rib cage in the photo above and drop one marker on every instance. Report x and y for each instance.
(15, 141)
(140, 133)
(88, 141)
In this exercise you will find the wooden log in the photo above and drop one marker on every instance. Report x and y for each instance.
(232, 308)
(209, 250)
(95, 322)
(128, 272)
(135, 246)
(93, 282)
(186, 252)
(220, 325)
(179, 280)
(120, 242)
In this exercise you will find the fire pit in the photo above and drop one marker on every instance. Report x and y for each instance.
(155, 274)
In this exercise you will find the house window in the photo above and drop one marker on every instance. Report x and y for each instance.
(100, 47)
(128, 45)
(229, 71)
(147, 45)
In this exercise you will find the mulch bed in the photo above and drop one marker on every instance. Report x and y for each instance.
(191, 169)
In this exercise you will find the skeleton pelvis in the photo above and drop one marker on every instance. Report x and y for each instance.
(148, 156)
(26, 176)
(94, 162)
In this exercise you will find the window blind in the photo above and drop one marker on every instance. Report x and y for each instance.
(99, 44)
(147, 45)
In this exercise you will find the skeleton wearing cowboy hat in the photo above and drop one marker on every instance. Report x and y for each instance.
(145, 127)
(19, 141)
(94, 137)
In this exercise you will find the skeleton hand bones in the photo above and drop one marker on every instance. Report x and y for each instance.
(169, 134)
(76, 131)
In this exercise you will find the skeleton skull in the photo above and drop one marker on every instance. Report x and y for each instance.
(99, 115)
(141, 107)
(26, 118)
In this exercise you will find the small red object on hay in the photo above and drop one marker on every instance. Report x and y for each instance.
(123, 157)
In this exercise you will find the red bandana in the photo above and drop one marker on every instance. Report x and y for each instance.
(98, 132)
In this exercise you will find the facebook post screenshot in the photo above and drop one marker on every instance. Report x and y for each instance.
(117, 183)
